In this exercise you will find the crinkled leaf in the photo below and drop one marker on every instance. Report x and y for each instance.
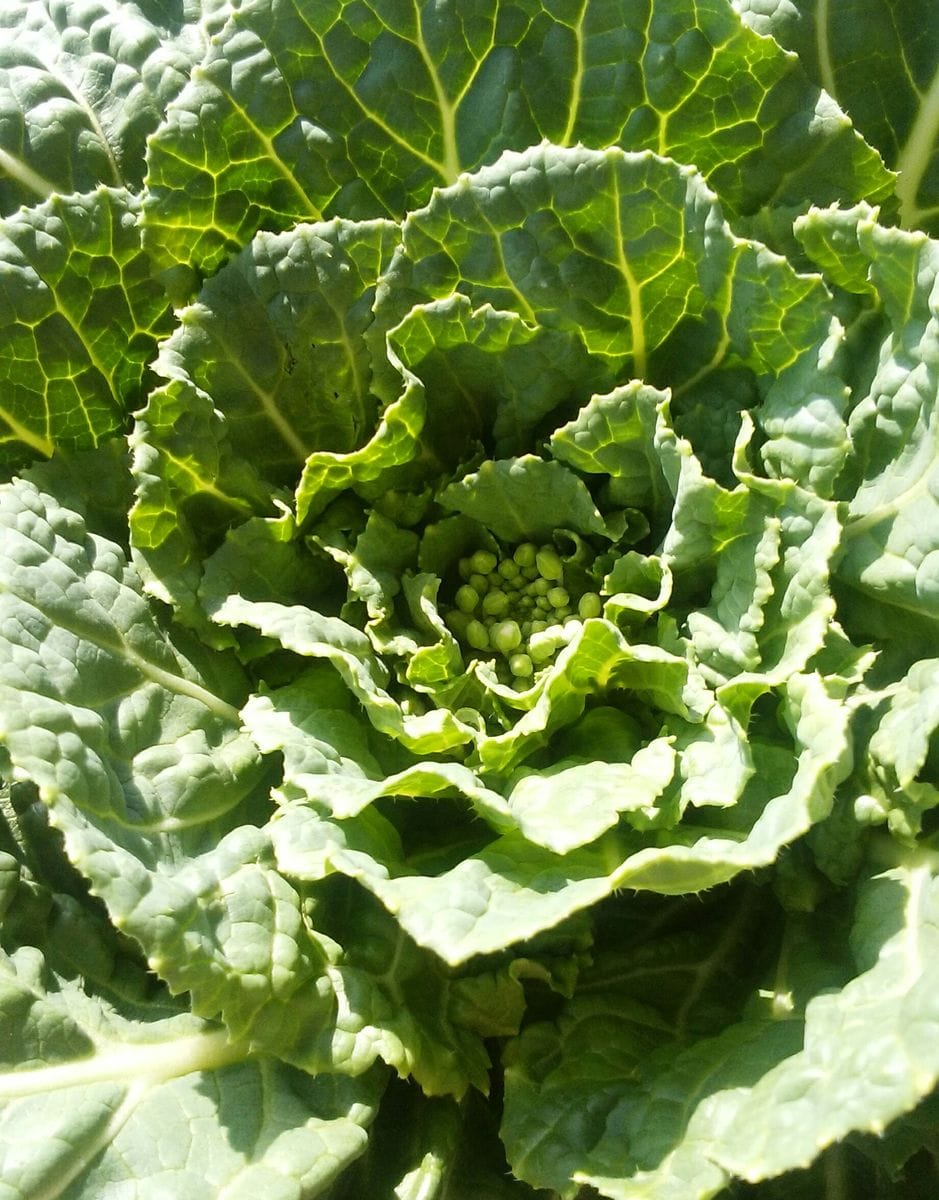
(771, 608)
(361, 110)
(141, 761)
(80, 313)
(614, 435)
(565, 237)
(572, 805)
(761, 1097)
(899, 780)
(513, 889)
(85, 1086)
(527, 498)
(350, 652)
(330, 759)
(393, 1001)
(891, 552)
(83, 85)
(268, 365)
(880, 60)
(453, 376)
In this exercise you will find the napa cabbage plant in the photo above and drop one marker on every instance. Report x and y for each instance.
(469, 584)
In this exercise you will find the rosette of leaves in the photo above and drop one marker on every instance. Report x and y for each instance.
(463, 672)
(522, 616)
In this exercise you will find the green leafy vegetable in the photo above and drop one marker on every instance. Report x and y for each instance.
(468, 600)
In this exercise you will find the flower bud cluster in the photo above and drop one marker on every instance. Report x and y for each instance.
(516, 609)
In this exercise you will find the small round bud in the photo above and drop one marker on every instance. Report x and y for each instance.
(466, 598)
(507, 636)
(558, 597)
(589, 605)
(548, 564)
(521, 665)
(542, 645)
(483, 561)
(477, 635)
(457, 622)
(508, 568)
(525, 554)
(539, 587)
(495, 604)
(479, 584)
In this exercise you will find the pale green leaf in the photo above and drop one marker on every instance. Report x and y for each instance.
(267, 366)
(140, 759)
(86, 1086)
(572, 805)
(614, 435)
(891, 550)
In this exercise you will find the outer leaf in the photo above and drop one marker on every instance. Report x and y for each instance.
(85, 1086)
(891, 548)
(266, 367)
(141, 762)
(361, 110)
(397, 1002)
(80, 313)
(82, 85)
(566, 239)
(849, 1080)
(749, 1103)
(880, 60)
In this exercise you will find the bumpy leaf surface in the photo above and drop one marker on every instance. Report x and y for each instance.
(80, 312)
(360, 110)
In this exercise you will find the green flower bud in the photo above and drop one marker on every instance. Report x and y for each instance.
(525, 554)
(548, 563)
(508, 568)
(457, 622)
(558, 597)
(479, 584)
(495, 604)
(506, 637)
(589, 605)
(542, 644)
(539, 587)
(521, 665)
(483, 561)
(477, 635)
(466, 598)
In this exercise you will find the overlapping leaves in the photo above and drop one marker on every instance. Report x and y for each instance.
(255, 758)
